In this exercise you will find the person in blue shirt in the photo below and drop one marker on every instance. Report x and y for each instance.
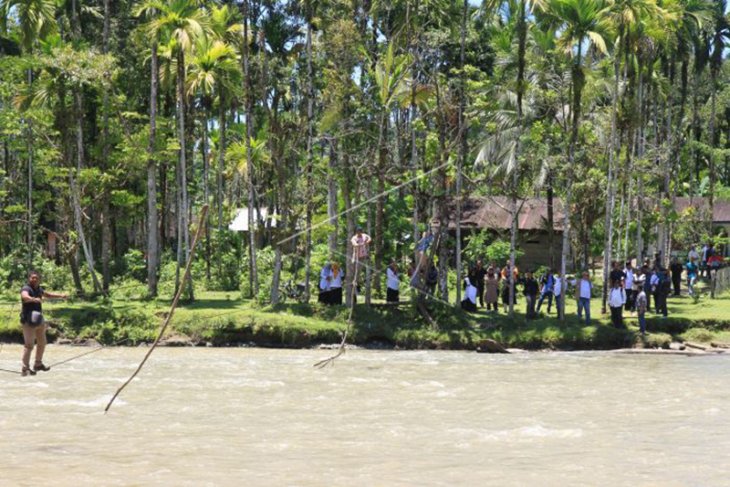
(691, 277)
(648, 274)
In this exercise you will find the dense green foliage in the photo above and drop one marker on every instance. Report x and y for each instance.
(120, 119)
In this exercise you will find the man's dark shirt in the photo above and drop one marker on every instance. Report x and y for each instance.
(28, 308)
(531, 287)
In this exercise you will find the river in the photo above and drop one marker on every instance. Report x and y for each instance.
(253, 417)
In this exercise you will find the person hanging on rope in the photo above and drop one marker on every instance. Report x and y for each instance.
(360, 246)
(31, 319)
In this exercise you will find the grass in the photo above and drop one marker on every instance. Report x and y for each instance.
(224, 319)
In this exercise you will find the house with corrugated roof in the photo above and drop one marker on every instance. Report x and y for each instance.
(494, 214)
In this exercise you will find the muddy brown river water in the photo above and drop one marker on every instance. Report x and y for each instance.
(267, 417)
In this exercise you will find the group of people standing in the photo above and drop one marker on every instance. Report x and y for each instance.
(630, 289)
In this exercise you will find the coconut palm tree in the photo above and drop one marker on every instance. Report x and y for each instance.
(719, 39)
(580, 24)
(182, 22)
(149, 9)
(211, 64)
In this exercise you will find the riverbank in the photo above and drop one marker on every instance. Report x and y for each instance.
(221, 319)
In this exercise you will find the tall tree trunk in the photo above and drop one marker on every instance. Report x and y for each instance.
(713, 144)
(462, 151)
(206, 183)
(310, 152)
(252, 268)
(350, 223)
(514, 227)
(184, 202)
(380, 201)
(577, 82)
(613, 152)
(152, 226)
(75, 190)
(332, 198)
(29, 205)
(222, 129)
(85, 247)
(106, 234)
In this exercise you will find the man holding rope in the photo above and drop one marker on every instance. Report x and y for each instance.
(31, 319)
(360, 246)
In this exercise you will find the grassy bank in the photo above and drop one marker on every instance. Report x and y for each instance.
(222, 319)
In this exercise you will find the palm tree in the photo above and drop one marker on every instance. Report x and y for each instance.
(719, 37)
(248, 84)
(580, 23)
(392, 81)
(626, 16)
(210, 66)
(183, 22)
(150, 9)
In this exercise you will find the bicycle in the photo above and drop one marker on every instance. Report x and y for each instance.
(292, 291)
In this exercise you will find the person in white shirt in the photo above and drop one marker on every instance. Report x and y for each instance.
(360, 254)
(469, 303)
(629, 286)
(558, 293)
(336, 284)
(583, 291)
(324, 284)
(392, 283)
(693, 255)
(616, 300)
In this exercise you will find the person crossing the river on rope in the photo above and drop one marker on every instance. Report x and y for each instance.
(360, 251)
(34, 326)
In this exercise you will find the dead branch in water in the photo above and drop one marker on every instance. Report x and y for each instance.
(341, 349)
(186, 276)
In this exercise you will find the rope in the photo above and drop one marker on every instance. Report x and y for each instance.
(88, 352)
(186, 276)
(341, 349)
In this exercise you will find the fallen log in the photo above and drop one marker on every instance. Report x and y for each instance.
(695, 345)
(720, 345)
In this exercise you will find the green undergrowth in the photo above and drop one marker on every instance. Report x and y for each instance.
(222, 320)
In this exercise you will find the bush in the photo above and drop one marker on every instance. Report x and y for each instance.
(499, 252)
(135, 265)
(128, 289)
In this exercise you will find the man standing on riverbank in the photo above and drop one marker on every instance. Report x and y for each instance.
(31, 319)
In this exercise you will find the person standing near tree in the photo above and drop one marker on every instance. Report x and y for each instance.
(336, 284)
(648, 277)
(393, 283)
(548, 284)
(663, 288)
(616, 301)
(616, 274)
(629, 286)
(558, 293)
(584, 291)
(692, 269)
(469, 303)
(693, 255)
(476, 277)
(34, 326)
(676, 268)
(325, 279)
(530, 291)
(491, 289)
(641, 310)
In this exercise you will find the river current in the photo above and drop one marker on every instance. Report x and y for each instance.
(259, 417)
